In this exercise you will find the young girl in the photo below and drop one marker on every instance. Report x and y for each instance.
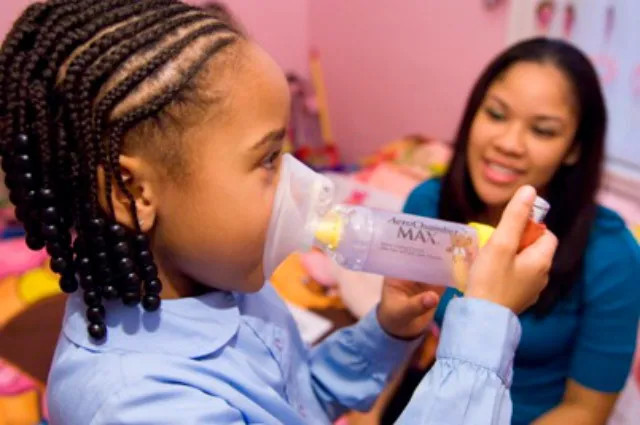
(132, 128)
(537, 116)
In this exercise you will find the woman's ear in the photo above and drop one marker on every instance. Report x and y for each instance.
(138, 181)
(573, 155)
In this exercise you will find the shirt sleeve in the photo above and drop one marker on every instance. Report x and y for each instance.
(609, 324)
(470, 381)
(167, 404)
(352, 366)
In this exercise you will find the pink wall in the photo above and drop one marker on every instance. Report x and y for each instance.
(279, 26)
(9, 11)
(404, 66)
(391, 67)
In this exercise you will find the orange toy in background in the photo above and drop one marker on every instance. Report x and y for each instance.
(27, 281)
(293, 281)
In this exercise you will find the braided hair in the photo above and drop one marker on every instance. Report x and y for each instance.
(77, 78)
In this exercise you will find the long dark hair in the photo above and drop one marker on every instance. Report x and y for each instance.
(572, 190)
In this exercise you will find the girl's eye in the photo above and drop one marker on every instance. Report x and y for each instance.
(495, 114)
(271, 161)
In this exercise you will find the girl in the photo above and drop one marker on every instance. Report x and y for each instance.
(132, 128)
(537, 116)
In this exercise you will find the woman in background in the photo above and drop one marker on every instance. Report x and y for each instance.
(537, 116)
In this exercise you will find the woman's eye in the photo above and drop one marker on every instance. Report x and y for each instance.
(495, 114)
(271, 161)
(546, 133)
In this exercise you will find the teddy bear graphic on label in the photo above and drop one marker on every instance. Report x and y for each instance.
(461, 250)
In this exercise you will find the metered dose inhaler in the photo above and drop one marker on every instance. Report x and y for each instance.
(409, 247)
(363, 239)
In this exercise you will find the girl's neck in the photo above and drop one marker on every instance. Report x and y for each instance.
(176, 285)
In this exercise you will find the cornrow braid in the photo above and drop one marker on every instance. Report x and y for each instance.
(65, 67)
(101, 66)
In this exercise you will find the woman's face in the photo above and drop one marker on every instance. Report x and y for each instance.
(522, 132)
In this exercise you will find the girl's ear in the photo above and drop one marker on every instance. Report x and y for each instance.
(573, 155)
(137, 177)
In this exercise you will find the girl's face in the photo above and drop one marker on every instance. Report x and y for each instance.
(522, 132)
(210, 226)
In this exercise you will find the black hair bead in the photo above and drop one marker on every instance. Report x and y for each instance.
(28, 196)
(131, 298)
(34, 243)
(9, 181)
(87, 282)
(117, 231)
(101, 258)
(55, 249)
(145, 258)
(95, 226)
(150, 272)
(59, 265)
(84, 265)
(26, 179)
(141, 241)
(153, 286)
(151, 302)
(121, 249)
(125, 265)
(110, 292)
(49, 231)
(21, 213)
(46, 195)
(92, 298)
(21, 143)
(15, 197)
(50, 215)
(96, 314)
(22, 163)
(97, 330)
(132, 280)
(68, 284)
(98, 244)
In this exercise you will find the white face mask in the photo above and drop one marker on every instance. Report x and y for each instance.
(302, 197)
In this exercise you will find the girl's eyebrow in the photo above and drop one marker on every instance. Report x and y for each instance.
(272, 136)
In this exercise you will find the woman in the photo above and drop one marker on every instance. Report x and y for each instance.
(537, 116)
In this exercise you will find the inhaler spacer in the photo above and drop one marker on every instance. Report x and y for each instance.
(302, 198)
(410, 247)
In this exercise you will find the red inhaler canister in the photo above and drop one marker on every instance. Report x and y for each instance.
(535, 227)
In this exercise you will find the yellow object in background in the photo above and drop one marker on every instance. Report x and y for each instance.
(21, 409)
(438, 169)
(38, 284)
(317, 77)
(484, 232)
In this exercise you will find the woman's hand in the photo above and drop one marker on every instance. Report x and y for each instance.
(502, 275)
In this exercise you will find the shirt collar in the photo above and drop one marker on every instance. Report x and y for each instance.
(186, 327)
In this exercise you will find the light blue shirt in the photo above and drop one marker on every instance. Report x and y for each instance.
(227, 358)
